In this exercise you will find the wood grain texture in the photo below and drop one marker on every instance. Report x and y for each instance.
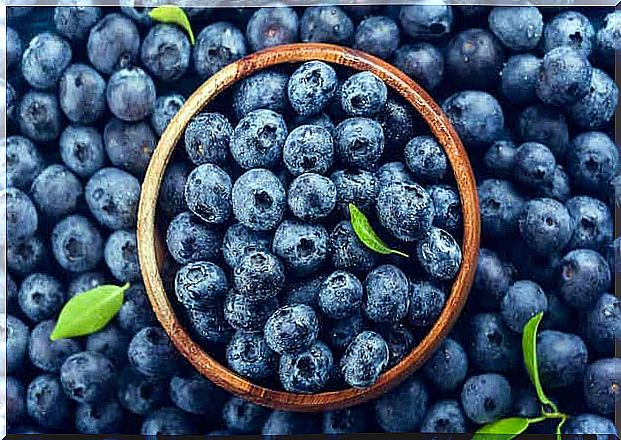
(151, 245)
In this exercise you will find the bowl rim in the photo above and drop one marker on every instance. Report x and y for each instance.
(151, 250)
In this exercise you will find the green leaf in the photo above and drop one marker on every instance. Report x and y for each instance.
(367, 235)
(529, 351)
(89, 312)
(174, 15)
(503, 429)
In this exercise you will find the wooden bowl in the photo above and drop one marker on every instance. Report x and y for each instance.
(152, 250)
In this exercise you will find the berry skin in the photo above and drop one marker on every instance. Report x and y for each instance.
(152, 353)
(421, 61)
(82, 150)
(475, 56)
(592, 162)
(291, 328)
(597, 107)
(405, 209)
(400, 340)
(167, 420)
(88, 377)
(172, 198)
(207, 138)
(48, 355)
(240, 240)
(326, 24)
(426, 159)
(444, 416)
(387, 294)
(339, 333)
(403, 409)
(601, 385)
(112, 196)
(111, 342)
(46, 403)
(39, 116)
(606, 39)
(113, 43)
(564, 76)
(545, 225)
(17, 345)
(492, 347)
(77, 244)
(99, 418)
(208, 194)
(570, 29)
(311, 87)
(545, 125)
(209, 326)
(75, 22)
(198, 285)
(216, 46)
(195, 394)
(22, 219)
(517, 28)
(523, 300)
(44, 60)
(243, 313)
(439, 254)
(130, 94)
(82, 94)
(303, 247)
(258, 200)
(243, 417)
(557, 188)
(377, 35)
(165, 107)
(584, 276)
(188, 239)
(447, 207)
(23, 162)
(593, 224)
(590, 424)
(347, 421)
(447, 367)
(129, 145)
(165, 52)
(56, 191)
(307, 371)
(347, 252)
(398, 123)
(359, 142)
(40, 296)
(269, 27)
(363, 94)
(340, 295)
(311, 197)
(121, 256)
(534, 164)
(305, 291)
(500, 206)
(249, 354)
(26, 256)
(264, 90)
(486, 398)
(518, 78)
(364, 360)
(359, 187)
(602, 324)
(426, 303)
(562, 358)
(259, 276)
(308, 148)
(426, 22)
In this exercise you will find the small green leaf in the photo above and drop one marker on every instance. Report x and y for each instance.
(529, 351)
(367, 235)
(174, 15)
(89, 312)
(503, 429)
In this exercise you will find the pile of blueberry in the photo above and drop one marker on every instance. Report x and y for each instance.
(262, 257)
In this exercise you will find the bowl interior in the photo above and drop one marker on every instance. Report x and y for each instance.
(152, 251)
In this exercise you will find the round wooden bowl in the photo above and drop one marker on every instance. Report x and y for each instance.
(151, 246)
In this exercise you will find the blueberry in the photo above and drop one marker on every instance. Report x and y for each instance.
(272, 27)
(562, 358)
(75, 22)
(564, 76)
(308, 148)
(363, 94)
(87, 377)
(582, 424)
(210, 326)
(264, 90)
(121, 256)
(217, 45)
(545, 225)
(523, 300)
(311, 87)
(347, 420)
(475, 56)
(601, 385)
(388, 296)
(477, 116)
(208, 193)
(570, 28)
(585, 275)
(447, 207)
(339, 333)
(606, 39)
(136, 312)
(26, 255)
(281, 423)
(140, 394)
(130, 94)
(82, 150)
(165, 52)
(13, 47)
(112, 342)
(112, 196)
(492, 346)
(444, 416)
(44, 60)
(207, 138)
(56, 191)
(152, 353)
(46, 403)
(164, 109)
(249, 354)
(447, 367)
(258, 139)
(199, 284)
(534, 164)
(167, 421)
(259, 275)
(377, 35)
(364, 360)
(188, 239)
(291, 328)
(77, 244)
(15, 401)
(403, 409)
(426, 22)
(602, 324)
(421, 61)
(129, 145)
(82, 94)
(240, 240)
(359, 187)
(486, 398)
(306, 371)
(326, 24)
(303, 247)
(598, 106)
(426, 159)
(398, 123)
(518, 78)
(22, 219)
(557, 188)
(518, 28)
(258, 200)
(40, 296)
(545, 125)
(592, 162)
(17, 343)
(305, 291)
(243, 313)
(39, 116)
(172, 198)
(311, 196)
(195, 394)
(23, 162)
(500, 206)
(340, 295)
(405, 209)
(392, 172)
(98, 418)
(593, 224)
(526, 403)
(113, 43)
(426, 303)
(243, 417)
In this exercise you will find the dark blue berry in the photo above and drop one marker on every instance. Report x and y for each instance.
(56, 191)
(598, 106)
(48, 355)
(249, 354)
(364, 360)
(517, 28)
(269, 27)
(188, 239)
(195, 394)
(291, 328)
(423, 62)
(405, 209)
(326, 24)
(444, 416)
(500, 206)
(264, 90)
(523, 300)
(359, 187)
(363, 94)
(139, 394)
(13, 47)
(545, 225)
(98, 418)
(165, 107)
(209, 326)
(426, 159)
(570, 28)
(403, 409)
(602, 324)
(311, 87)
(426, 22)
(15, 401)
(199, 284)
(88, 377)
(593, 224)
(129, 145)
(303, 247)
(475, 56)
(258, 200)
(112, 196)
(136, 312)
(492, 346)
(377, 35)
(17, 344)
(607, 40)
(172, 192)
(259, 275)
(121, 256)
(82, 150)
(113, 43)
(545, 125)
(347, 421)
(561, 357)
(305, 291)
(207, 138)
(584, 276)
(306, 371)
(518, 78)
(347, 252)
(447, 367)
(39, 116)
(111, 342)
(426, 303)
(26, 256)
(592, 162)
(40, 296)
(152, 353)
(601, 385)
(486, 398)
(340, 295)
(243, 417)
(240, 240)
(77, 244)
(24, 162)
(208, 193)
(130, 94)
(243, 313)
(44, 60)
(75, 22)
(339, 333)
(165, 52)
(167, 420)
(46, 403)
(564, 76)
(534, 164)
(590, 424)
(311, 197)
(308, 148)
(217, 45)
(22, 219)
(387, 294)
(82, 94)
